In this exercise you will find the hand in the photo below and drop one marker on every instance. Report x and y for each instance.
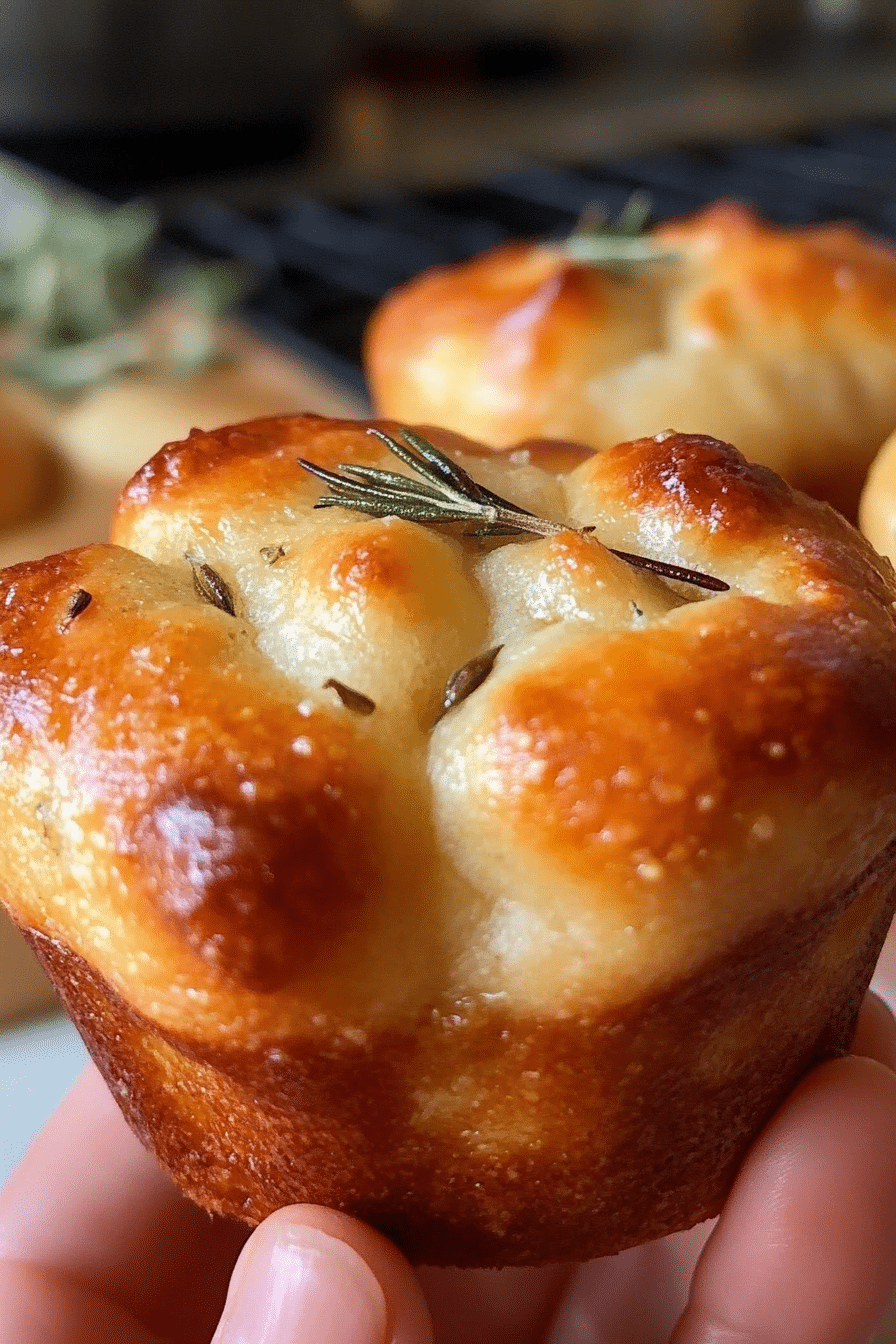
(96, 1247)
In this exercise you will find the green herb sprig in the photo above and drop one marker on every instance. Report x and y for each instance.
(442, 492)
(82, 297)
(617, 245)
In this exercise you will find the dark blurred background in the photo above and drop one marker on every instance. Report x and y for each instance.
(333, 148)
(122, 95)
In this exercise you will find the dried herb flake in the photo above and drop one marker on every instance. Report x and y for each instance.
(469, 678)
(271, 554)
(353, 700)
(211, 587)
(79, 601)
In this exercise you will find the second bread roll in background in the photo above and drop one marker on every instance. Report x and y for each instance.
(782, 341)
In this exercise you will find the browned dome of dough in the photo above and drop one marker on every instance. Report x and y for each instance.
(517, 982)
(782, 341)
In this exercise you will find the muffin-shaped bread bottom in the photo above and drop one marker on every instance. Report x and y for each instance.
(514, 972)
(562, 1140)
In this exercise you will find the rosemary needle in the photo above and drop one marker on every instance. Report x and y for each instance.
(440, 491)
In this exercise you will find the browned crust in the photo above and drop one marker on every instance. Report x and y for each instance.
(794, 274)
(667, 1094)
(758, 274)
(163, 769)
(259, 458)
(791, 732)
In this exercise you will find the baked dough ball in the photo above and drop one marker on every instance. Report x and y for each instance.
(515, 982)
(782, 341)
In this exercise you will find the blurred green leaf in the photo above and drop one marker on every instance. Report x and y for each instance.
(77, 283)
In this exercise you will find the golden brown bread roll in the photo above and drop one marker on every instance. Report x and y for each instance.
(515, 982)
(782, 341)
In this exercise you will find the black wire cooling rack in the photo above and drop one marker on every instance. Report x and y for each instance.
(320, 269)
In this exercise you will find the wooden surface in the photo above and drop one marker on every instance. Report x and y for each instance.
(97, 444)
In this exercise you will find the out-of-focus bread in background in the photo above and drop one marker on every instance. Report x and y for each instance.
(26, 467)
(101, 439)
(23, 988)
(781, 340)
(117, 426)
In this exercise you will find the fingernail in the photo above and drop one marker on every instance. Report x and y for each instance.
(296, 1283)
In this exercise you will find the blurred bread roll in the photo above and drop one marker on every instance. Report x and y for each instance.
(116, 427)
(782, 341)
(26, 467)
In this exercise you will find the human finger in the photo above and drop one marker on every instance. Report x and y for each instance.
(309, 1273)
(875, 1036)
(96, 1243)
(493, 1306)
(805, 1250)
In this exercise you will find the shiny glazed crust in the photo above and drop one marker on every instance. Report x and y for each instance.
(782, 341)
(518, 982)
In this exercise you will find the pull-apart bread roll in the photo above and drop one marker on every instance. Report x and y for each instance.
(782, 341)
(517, 979)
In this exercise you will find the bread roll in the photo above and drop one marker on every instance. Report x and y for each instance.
(515, 982)
(117, 426)
(782, 341)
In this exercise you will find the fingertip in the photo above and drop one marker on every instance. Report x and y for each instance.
(875, 1036)
(805, 1250)
(408, 1312)
(311, 1272)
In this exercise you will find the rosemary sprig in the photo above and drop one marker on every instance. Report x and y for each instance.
(617, 245)
(445, 493)
(82, 297)
(442, 492)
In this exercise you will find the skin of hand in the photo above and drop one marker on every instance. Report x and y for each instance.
(97, 1246)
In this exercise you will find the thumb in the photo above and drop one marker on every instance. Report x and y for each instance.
(309, 1275)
